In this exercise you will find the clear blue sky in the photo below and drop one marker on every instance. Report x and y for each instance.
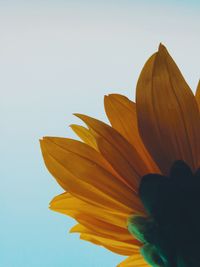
(57, 58)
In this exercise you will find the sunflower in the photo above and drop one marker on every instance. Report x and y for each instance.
(134, 187)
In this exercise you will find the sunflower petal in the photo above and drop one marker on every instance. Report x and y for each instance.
(118, 151)
(167, 113)
(122, 115)
(114, 238)
(83, 162)
(79, 188)
(74, 145)
(116, 246)
(135, 260)
(72, 206)
(85, 135)
(104, 232)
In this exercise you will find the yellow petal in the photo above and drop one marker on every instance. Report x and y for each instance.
(197, 95)
(118, 151)
(116, 246)
(85, 135)
(94, 221)
(167, 113)
(83, 162)
(72, 206)
(135, 260)
(105, 230)
(122, 115)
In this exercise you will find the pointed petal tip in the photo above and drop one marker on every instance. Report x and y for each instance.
(75, 229)
(51, 203)
(57, 198)
(72, 231)
(76, 114)
(83, 117)
(72, 126)
(52, 206)
(162, 52)
(79, 115)
(161, 47)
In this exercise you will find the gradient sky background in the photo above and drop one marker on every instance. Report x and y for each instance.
(56, 58)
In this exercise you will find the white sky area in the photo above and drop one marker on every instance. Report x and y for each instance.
(58, 58)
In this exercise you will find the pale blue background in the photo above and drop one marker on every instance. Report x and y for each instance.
(56, 58)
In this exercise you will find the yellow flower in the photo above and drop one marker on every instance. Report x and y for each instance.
(113, 180)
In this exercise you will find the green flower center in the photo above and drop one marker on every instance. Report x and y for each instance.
(171, 231)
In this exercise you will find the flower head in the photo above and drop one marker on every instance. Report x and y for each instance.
(134, 186)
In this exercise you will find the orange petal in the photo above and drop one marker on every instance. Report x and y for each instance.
(85, 135)
(82, 162)
(197, 95)
(122, 115)
(72, 206)
(78, 187)
(135, 260)
(118, 151)
(85, 163)
(167, 113)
